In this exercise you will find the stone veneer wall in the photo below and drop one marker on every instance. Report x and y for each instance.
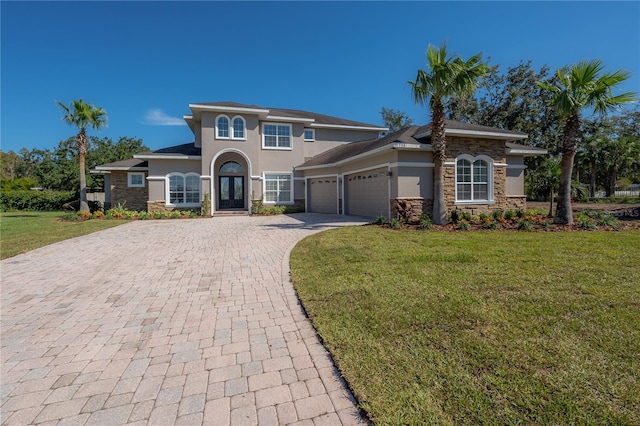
(417, 206)
(474, 147)
(130, 198)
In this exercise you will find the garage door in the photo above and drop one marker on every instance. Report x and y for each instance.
(322, 195)
(367, 193)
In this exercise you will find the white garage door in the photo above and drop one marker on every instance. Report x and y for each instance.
(322, 195)
(367, 193)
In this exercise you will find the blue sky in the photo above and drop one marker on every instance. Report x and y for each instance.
(144, 62)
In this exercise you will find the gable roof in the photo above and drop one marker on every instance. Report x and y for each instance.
(132, 164)
(187, 151)
(417, 137)
(310, 119)
(458, 128)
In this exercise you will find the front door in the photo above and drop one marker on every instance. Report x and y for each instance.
(231, 192)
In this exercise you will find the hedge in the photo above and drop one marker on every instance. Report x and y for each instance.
(35, 200)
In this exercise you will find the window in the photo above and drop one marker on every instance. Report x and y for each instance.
(222, 127)
(277, 188)
(135, 179)
(238, 128)
(473, 180)
(184, 189)
(276, 136)
(309, 134)
(231, 167)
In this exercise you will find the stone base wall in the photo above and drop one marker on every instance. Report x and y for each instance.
(504, 204)
(130, 198)
(414, 208)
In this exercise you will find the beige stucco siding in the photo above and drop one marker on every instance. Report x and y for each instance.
(413, 182)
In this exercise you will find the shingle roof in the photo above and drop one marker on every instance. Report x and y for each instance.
(178, 150)
(130, 163)
(348, 150)
(458, 125)
(295, 113)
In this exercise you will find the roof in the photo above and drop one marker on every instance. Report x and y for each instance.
(418, 137)
(130, 164)
(352, 149)
(459, 128)
(184, 151)
(265, 113)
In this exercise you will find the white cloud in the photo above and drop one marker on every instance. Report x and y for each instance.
(157, 117)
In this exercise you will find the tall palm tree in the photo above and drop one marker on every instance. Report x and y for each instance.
(446, 76)
(83, 115)
(581, 86)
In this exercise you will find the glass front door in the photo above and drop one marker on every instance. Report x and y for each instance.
(231, 192)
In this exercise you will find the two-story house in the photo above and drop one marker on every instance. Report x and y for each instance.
(328, 164)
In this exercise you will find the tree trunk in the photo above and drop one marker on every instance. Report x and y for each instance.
(438, 144)
(550, 203)
(82, 153)
(592, 186)
(570, 140)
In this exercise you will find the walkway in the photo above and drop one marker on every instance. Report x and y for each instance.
(167, 322)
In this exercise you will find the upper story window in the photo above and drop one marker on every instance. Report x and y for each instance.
(276, 136)
(135, 179)
(222, 127)
(473, 179)
(231, 129)
(309, 135)
(239, 128)
(183, 189)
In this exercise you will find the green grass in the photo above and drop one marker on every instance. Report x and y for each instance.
(24, 231)
(479, 328)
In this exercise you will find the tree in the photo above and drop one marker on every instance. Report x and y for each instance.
(581, 86)
(83, 115)
(446, 76)
(395, 119)
(547, 178)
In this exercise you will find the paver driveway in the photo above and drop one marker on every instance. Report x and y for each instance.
(167, 322)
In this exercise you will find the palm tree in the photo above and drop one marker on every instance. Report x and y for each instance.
(83, 115)
(447, 76)
(581, 86)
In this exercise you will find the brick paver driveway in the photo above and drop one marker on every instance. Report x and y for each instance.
(167, 322)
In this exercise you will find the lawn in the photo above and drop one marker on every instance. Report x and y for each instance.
(24, 231)
(487, 327)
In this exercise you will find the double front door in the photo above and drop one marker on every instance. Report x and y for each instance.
(231, 192)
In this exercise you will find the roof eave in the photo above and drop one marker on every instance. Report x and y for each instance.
(349, 127)
(478, 134)
(167, 157)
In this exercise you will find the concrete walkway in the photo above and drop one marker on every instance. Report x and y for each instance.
(167, 322)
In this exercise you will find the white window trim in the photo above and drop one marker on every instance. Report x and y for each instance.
(280, 148)
(167, 190)
(264, 188)
(229, 129)
(490, 166)
(313, 134)
(132, 185)
(244, 128)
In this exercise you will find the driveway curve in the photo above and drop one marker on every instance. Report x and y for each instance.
(190, 321)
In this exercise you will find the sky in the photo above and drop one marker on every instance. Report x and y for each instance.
(145, 62)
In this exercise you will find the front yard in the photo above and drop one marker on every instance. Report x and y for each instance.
(23, 231)
(489, 327)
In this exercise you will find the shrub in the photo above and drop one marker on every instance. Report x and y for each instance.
(491, 225)
(546, 225)
(395, 223)
(34, 200)
(509, 214)
(454, 216)
(483, 216)
(607, 220)
(497, 214)
(464, 225)
(525, 225)
(466, 216)
(425, 222)
(585, 222)
(381, 220)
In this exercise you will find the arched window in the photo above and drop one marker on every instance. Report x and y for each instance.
(239, 127)
(183, 189)
(231, 167)
(222, 127)
(473, 179)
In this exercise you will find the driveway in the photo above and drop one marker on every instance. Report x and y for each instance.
(167, 322)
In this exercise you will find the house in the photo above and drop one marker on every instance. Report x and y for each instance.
(242, 153)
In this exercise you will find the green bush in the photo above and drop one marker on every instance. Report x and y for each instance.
(395, 223)
(464, 225)
(34, 200)
(454, 216)
(525, 225)
(425, 222)
(497, 214)
(381, 220)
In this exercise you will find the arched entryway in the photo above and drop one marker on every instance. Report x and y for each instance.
(231, 186)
